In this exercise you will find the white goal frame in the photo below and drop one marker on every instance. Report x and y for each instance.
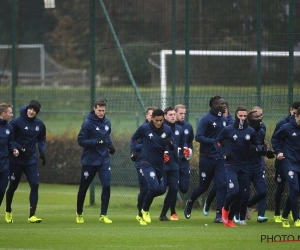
(45, 62)
(31, 46)
(164, 53)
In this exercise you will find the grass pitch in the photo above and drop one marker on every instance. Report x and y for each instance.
(58, 230)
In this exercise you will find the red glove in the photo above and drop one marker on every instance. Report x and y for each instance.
(166, 157)
(186, 152)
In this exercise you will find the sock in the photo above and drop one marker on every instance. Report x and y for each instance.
(32, 211)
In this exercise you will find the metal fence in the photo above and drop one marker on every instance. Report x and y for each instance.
(141, 53)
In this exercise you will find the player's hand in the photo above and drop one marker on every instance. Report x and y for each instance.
(101, 140)
(15, 152)
(270, 154)
(188, 153)
(169, 142)
(280, 156)
(111, 149)
(166, 157)
(134, 156)
(226, 156)
(43, 158)
(263, 152)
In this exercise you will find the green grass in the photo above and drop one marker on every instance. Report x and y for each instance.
(58, 230)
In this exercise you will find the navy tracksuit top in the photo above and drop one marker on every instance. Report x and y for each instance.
(237, 144)
(282, 122)
(254, 158)
(91, 130)
(286, 140)
(138, 147)
(208, 128)
(188, 133)
(176, 155)
(6, 142)
(27, 133)
(278, 163)
(189, 136)
(153, 146)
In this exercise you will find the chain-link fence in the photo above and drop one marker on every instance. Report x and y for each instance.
(136, 54)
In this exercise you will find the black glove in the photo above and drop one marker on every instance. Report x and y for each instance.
(270, 154)
(168, 142)
(226, 156)
(111, 149)
(101, 140)
(253, 149)
(263, 152)
(43, 158)
(134, 156)
(26, 151)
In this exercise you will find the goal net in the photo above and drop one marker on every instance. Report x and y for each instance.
(36, 67)
(216, 67)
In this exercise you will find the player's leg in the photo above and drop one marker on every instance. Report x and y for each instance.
(285, 213)
(211, 195)
(143, 189)
(242, 187)
(172, 183)
(220, 183)
(260, 186)
(244, 202)
(105, 178)
(184, 184)
(141, 195)
(293, 184)
(297, 221)
(4, 174)
(32, 175)
(15, 171)
(87, 175)
(184, 177)
(280, 181)
(232, 186)
(152, 177)
(206, 173)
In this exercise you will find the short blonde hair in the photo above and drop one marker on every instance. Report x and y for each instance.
(4, 107)
(150, 108)
(179, 106)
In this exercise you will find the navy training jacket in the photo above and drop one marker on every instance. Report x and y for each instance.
(286, 140)
(188, 133)
(189, 136)
(237, 144)
(6, 142)
(153, 143)
(176, 155)
(91, 130)
(208, 128)
(28, 132)
(255, 158)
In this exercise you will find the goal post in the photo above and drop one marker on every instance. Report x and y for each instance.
(35, 65)
(164, 53)
(29, 46)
